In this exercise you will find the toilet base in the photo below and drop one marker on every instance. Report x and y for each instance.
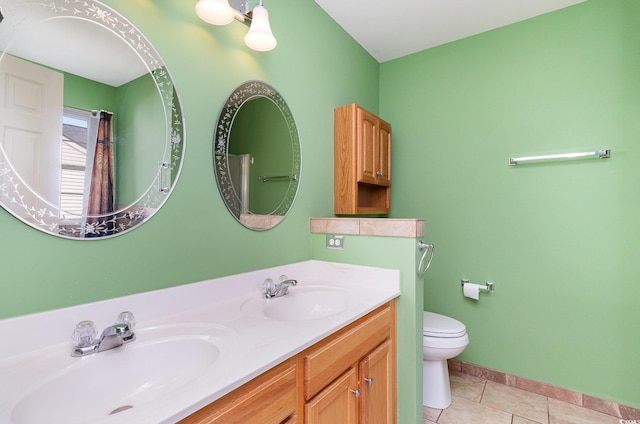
(437, 390)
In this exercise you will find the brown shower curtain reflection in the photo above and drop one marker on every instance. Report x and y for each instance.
(101, 197)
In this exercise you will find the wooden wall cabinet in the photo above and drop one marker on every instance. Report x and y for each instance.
(362, 162)
(349, 377)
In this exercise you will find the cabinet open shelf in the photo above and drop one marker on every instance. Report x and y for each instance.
(373, 199)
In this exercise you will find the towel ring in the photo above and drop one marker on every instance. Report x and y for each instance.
(428, 248)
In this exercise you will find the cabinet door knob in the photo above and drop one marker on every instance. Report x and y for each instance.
(369, 380)
(356, 392)
(380, 173)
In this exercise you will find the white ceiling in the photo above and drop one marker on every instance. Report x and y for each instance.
(82, 48)
(389, 29)
(75, 45)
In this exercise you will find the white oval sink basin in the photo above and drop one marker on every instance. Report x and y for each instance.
(303, 303)
(161, 360)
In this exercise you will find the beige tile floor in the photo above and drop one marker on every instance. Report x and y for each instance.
(479, 401)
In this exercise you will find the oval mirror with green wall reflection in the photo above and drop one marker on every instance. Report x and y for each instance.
(103, 152)
(257, 156)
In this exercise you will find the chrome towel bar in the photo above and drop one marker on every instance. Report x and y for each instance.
(265, 179)
(602, 154)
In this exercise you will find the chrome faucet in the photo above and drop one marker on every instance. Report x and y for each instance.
(115, 336)
(86, 343)
(280, 289)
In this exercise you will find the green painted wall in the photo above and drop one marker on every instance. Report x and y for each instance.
(139, 123)
(260, 130)
(401, 254)
(557, 239)
(183, 242)
(86, 94)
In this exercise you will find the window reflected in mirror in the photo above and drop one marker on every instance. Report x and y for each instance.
(75, 134)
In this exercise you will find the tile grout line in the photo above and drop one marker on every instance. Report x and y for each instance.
(548, 411)
(484, 388)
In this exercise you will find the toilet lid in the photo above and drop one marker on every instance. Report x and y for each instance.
(436, 325)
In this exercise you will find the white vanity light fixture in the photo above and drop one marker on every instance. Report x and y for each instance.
(260, 37)
(215, 12)
(221, 12)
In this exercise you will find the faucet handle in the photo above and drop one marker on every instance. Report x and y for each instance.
(128, 318)
(128, 321)
(268, 285)
(283, 278)
(84, 334)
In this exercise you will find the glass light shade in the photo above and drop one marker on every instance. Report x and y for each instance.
(260, 37)
(216, 12)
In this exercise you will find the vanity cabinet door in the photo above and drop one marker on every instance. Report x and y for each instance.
(376, 376)
(337, 403)
(270, 398)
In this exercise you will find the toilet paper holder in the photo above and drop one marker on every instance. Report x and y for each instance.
(488, 287)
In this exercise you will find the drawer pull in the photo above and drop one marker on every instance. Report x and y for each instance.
(356, 392)
(369, 380)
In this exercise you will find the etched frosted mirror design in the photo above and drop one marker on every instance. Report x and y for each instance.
(91, 126)
(256, 156)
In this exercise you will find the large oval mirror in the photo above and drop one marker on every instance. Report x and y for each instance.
(256, 155)
(91, 126)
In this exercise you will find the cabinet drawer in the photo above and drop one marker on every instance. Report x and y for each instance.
(325, 361)
(270, 398)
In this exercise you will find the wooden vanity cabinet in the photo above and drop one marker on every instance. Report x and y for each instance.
(362, 162)
(350, 377)
(270, 398)
(362, 395)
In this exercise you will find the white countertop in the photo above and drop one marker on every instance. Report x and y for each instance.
(36, 348)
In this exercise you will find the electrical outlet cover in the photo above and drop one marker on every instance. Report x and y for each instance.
(335, 242)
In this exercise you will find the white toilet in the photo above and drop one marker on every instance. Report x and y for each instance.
(443, 338)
